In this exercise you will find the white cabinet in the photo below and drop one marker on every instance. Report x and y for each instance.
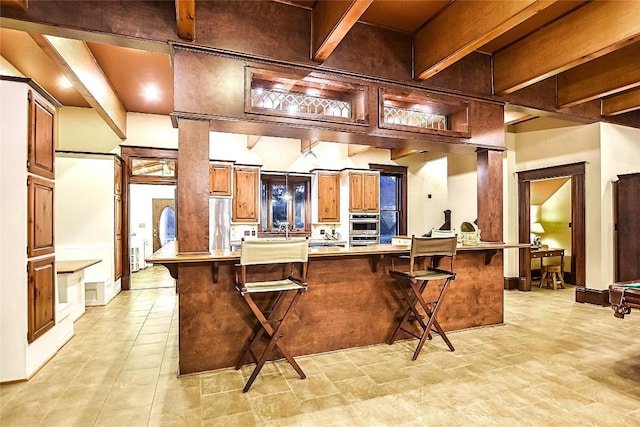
(30, 330)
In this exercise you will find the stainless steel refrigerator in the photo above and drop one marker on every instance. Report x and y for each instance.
(219, 223)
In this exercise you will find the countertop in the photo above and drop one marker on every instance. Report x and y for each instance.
(169, 253)
(70, 267)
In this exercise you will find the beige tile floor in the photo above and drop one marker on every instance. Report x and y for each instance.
(554, 363)
(151, 277)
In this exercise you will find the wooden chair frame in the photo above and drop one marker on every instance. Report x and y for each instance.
(271, 318)
(412, 284)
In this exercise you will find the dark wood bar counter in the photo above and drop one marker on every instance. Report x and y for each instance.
(351, 301)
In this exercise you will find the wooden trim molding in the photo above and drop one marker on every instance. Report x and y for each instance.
(576, 171)
(511, 283)
(398, 170)
(592, 296)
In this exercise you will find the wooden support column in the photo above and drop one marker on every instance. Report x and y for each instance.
(193, 186)
(490, 195)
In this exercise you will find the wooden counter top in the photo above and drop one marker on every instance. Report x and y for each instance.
(69, 267)
(168, 254)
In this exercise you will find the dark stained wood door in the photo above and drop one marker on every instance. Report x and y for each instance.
(41, 133)
(40, 221)
(41, 297)
(627, 225)
(157, 206)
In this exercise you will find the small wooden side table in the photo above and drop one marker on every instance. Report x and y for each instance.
(541, 254)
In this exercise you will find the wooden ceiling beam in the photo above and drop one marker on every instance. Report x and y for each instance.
(563, 45)
(398, 153)
(186, 19)
(330, 23)
(252, 140)
(307, 144)
(464, 27)
(80, 67)
(15, 4)
(622, 103)
(610, 74)
(354, 149)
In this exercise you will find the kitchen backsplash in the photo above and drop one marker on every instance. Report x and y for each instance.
(238, 231)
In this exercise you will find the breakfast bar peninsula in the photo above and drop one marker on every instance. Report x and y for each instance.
(351, 300)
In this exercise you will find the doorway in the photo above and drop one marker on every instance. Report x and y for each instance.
(163, 222)
(575, 172)
(551, 225)
(152, 225)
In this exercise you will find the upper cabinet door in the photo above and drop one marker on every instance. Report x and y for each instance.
(355, 192)
(41, 147)
(245, 194)
(371, 192)
(328, 197)
(364, 192)
(40, 221)
(219, 179)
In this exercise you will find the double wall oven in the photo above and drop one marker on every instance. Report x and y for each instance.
(364, 229)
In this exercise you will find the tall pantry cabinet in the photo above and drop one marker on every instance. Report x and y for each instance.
(29, 331)
(627, 224)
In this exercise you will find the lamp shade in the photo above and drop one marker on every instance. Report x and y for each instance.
(536, 228)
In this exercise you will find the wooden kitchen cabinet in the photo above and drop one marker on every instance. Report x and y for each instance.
(41, 147)
(41, 297)
(246, 194)
(40, 223)
(220, 179)
(328, 196)
(364, 191)
(626, 221)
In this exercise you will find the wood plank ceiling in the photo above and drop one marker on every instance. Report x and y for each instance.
(591, 50)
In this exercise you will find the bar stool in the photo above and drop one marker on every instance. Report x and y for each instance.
(551, 275)
(412, 284)
(273, 315)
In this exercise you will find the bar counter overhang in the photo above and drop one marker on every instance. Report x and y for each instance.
(351, 301)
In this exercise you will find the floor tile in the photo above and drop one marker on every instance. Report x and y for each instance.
(547, 365)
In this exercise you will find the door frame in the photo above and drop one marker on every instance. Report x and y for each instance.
(575, 171)
(133, 152)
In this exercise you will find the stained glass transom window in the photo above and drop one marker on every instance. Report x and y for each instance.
(414, 118)
(292, 103)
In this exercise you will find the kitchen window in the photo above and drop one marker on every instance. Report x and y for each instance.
(285, 204)
(393, 201)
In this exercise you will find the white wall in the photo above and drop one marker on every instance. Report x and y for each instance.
(140, 213)
(13, 230)
(82, 129)
(510, 206)
(560, 146)
(620, 149)
(150, 130)
(555, 216)
(463, 188)
(7, 69)
(84, 212)
(427, 177)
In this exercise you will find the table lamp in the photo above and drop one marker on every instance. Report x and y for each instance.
(536, 228)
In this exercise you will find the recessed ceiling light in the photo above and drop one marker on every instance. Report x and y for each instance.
(64, 82)
(151, 92)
